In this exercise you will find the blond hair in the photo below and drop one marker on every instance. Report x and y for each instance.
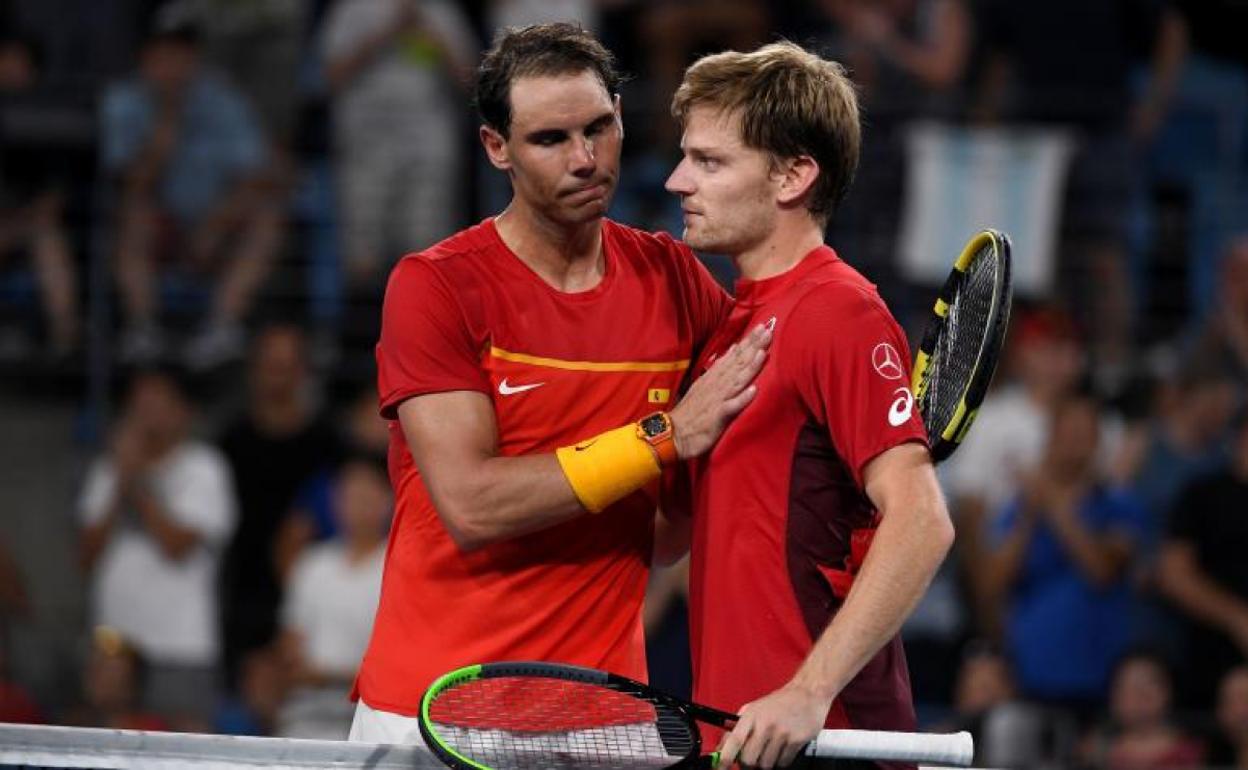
(791, 103)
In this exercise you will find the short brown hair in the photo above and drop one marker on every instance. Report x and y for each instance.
(561, 48)
(791, 103)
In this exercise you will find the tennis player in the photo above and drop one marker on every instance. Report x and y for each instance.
(818, 521)
(527, 365)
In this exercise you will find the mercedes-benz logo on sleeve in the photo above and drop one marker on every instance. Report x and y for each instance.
(887, 361)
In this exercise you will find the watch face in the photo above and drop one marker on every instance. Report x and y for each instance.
(654, 425)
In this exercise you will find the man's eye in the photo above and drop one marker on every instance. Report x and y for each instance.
(710, 164)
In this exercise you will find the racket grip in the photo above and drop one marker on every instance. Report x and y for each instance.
(953, 749)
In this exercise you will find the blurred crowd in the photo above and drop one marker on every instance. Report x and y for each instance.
(200, 201)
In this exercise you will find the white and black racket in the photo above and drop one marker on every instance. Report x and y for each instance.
(962, 341)
(547, 716)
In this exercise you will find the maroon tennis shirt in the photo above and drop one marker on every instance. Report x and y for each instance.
(781, 521)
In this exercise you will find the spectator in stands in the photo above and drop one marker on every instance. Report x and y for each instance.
(1185, 439)
(1222, 342)
(191, 164)
(1081, 87)
(1008, 731)
(1140, 733)
(312, 518)
(259, 45)
(910, 59)
(16, 704)
(330, 602)
(32, 201)
(157, 509)
(1191, 127)
(280, 440)
(1008, 442)
(113, 682)
(1205, 574)
(400, 178)
(1059, 562)
(1230, 745)
(675, 33)
(263, 684)
(984, 681)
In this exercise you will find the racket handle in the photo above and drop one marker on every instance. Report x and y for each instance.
(954, 749)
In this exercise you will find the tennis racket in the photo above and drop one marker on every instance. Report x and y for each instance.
(549, 716)
(962, 341)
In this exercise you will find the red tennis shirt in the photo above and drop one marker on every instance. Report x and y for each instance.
(781, 520)
(467, 314)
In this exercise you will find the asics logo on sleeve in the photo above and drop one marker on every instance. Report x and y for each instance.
(505, 389)
(901, 407)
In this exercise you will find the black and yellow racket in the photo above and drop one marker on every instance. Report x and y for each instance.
(962, 341)
(548, 716)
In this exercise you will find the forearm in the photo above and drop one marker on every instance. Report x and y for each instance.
(175, 540)
(906, 551)
(1201, 597)
(499, 498)
(92, 543)
(142, 173)
(937, 62)
(96, 535)
(483, 497)
(341, 70)
(1005, 563)
(1095, 558)
(1169, 54)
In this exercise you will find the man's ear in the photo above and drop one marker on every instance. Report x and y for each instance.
(797, 178)
(495, 148)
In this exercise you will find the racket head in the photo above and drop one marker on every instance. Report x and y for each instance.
(962, 341)
(520, 715)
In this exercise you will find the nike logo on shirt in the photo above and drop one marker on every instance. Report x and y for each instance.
(505, 389)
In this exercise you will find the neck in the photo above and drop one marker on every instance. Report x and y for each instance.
(568, 257)
(781, 250)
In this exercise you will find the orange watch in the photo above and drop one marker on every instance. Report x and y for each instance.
(657, 431)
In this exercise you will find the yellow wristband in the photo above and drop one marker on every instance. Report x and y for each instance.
(608, 467)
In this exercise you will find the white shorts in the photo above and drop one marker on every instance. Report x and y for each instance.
(373, 726)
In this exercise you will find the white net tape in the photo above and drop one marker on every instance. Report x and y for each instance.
(81, 747)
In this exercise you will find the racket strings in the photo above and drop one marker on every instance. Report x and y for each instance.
(957, 347)
(530, 724)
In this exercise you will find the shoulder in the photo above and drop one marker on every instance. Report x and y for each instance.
(838, 300)
(201, 457)
(125, 96)
(453, 261)
(454, 252)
